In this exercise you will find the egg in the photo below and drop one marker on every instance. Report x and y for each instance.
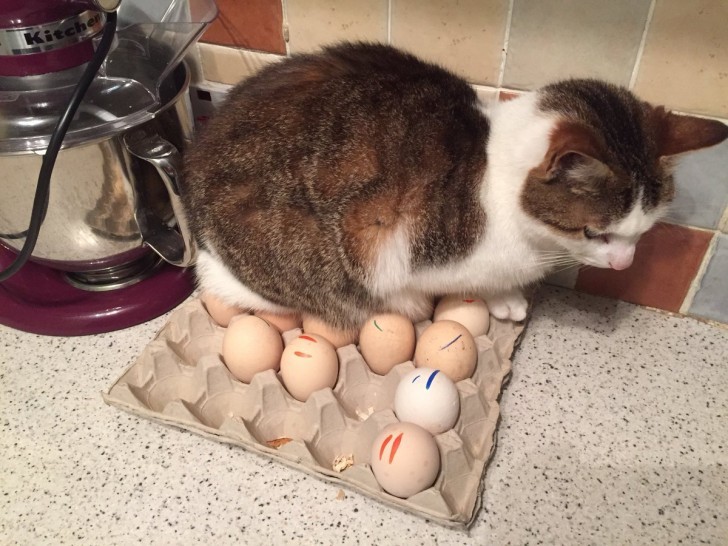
(387, 340)
(470, 311)
(309, 363)
(337, 336)
(220, 311)
(405, 459)
(428, 398)
(283, 323)
(448, 346)
(251, 345)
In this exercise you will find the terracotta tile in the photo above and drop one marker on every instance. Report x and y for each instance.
(504, 95)
(685, 60)
(465, 37)
(667, 259)
(711, 299)
(566, 38)
(313, 23)
(250, 24)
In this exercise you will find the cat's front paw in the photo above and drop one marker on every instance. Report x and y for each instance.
(509, 306)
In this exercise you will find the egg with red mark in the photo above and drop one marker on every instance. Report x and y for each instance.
(405, 459)
(448, 346)
(250, 346)
(282, 322)
(470, 311)
(386, 340)
(309, 363)
(336, 336)
(220, 311)
(428, 398)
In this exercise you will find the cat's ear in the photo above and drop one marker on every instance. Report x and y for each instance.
(677, 134)
(575, 155)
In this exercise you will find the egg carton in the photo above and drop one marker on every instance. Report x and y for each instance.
(181, 380)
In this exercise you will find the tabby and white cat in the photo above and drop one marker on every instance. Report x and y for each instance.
(361, 179)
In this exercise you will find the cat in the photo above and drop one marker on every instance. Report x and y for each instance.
(362, 179)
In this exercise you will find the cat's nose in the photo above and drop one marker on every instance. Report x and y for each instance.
(621, 257)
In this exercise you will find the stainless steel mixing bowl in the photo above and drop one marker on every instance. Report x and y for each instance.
(112, 196)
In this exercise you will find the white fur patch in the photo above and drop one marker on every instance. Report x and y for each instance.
(508, 256)
(392, 269)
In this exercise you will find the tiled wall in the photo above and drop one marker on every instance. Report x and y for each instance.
(671, 52)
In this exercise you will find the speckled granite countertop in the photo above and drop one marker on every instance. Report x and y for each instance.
(614, 431)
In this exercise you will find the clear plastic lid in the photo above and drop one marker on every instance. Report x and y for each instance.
(151, 39)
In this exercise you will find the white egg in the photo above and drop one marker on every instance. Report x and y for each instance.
(405, 459)
(470, 311)
(428, 398)
(309, 363)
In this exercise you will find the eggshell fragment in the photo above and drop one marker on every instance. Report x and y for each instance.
(448, 346)
(337, 336)
(220, 311)
(428, 398)
(405, 459)
(283, 323)
(250, 345)
(309, 363)
(387, 340)
(470, 311)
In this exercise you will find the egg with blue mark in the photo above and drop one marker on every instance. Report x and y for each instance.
(428, 398)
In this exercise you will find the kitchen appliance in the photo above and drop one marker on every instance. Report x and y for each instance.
(113, 246)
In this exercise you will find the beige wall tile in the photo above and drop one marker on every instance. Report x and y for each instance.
(313, 23)
(230, 65)
(465, 36)
(573, 38)
(685, 61)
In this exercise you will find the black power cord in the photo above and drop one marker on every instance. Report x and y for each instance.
(42, 190)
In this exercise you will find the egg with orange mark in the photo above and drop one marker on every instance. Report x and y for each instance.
(405, 459)
(250, 346)
(386, 340)
(283, 322)
(448, 346)
(470, 311)
(309, 363)
(336, 336)
(220, 311)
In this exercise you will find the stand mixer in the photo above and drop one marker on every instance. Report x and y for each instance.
(108, 246)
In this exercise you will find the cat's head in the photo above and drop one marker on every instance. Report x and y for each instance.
(606, 177)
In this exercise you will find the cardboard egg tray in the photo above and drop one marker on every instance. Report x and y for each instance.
(181, 380)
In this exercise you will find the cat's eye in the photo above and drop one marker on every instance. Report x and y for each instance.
(591, 234)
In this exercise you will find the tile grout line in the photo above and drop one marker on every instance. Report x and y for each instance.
(723, 222)
(286, 28)
(506, 39)
(698, 279)
(641, 48)
(389, 22)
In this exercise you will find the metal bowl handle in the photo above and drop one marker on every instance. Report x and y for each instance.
(175, 246)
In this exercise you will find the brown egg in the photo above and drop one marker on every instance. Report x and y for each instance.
(309, 363)
(220, 311)
(405, 459)
(282, 322)
(447, 346)
(337, 337)
(387, 340)
(470, 311)
(251, 345)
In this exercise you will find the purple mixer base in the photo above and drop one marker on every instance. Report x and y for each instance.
(39, 300)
